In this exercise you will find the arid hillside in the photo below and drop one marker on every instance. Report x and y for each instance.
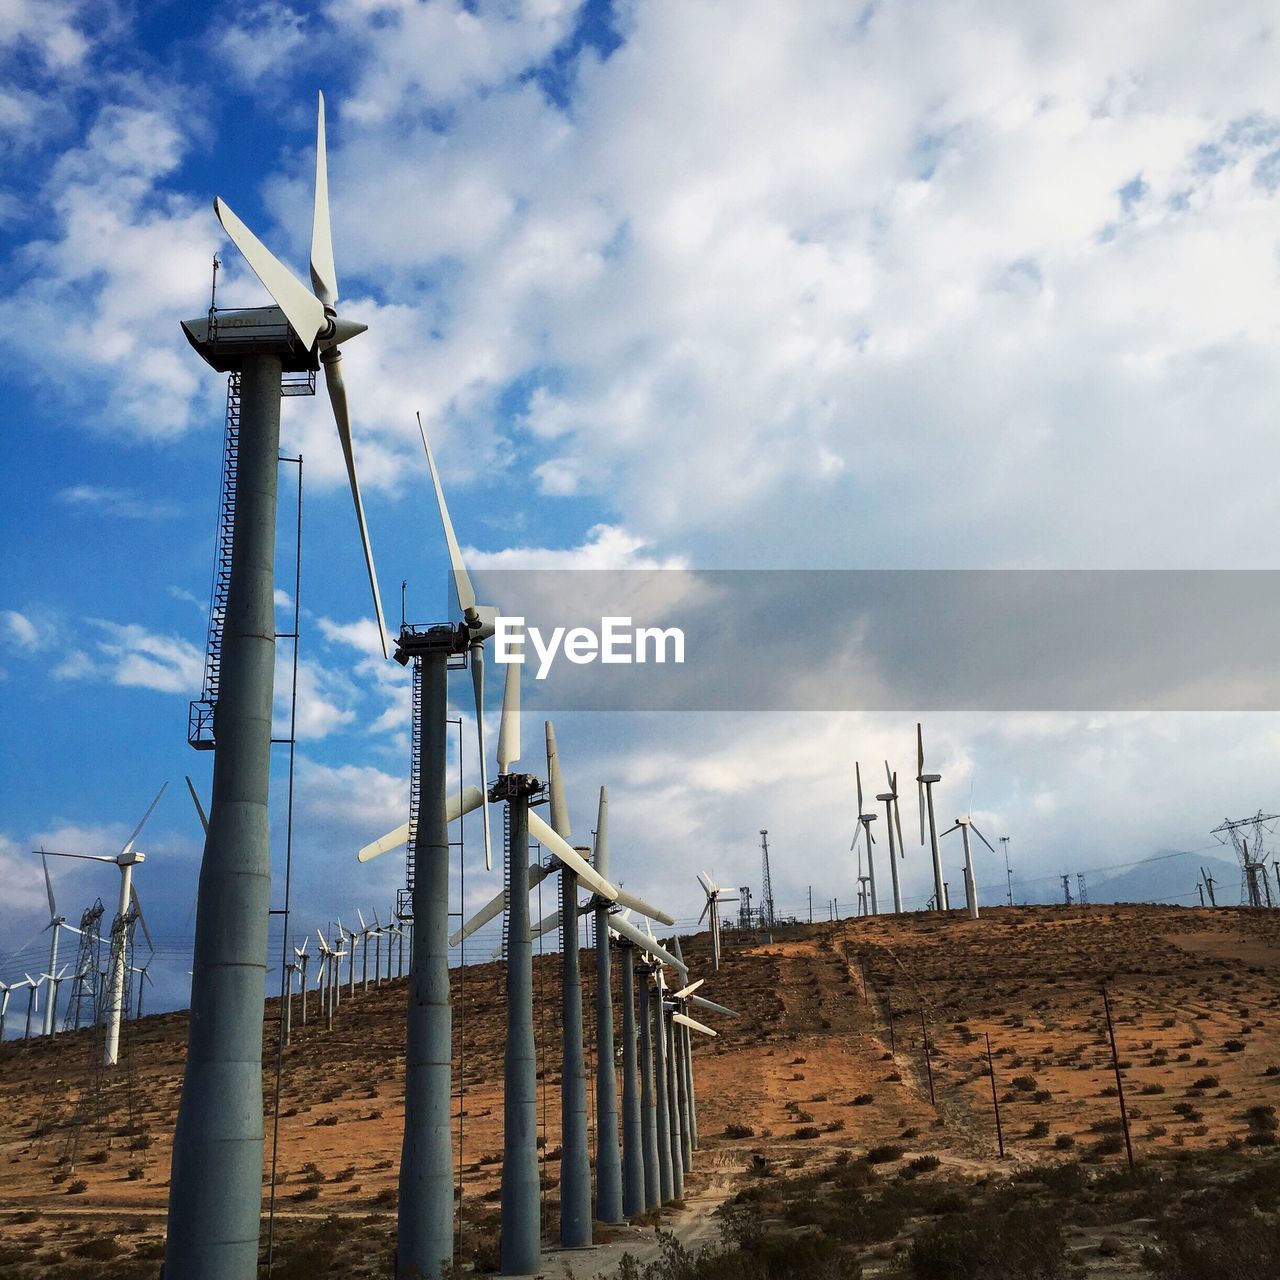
(825, 1069)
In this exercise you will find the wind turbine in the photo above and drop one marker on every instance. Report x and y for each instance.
(963, 825)
(575, 1154)
(33, 987)
(609, 1190)
(216, 1180)
(892, 819)
(711, 909)
(6, 989)
(633, 1132)
(56, 922)
(365, 931)
(864, 828)
(661, 1085)
(302, 959)
(924, 787)
(126, 860)
(32, 996)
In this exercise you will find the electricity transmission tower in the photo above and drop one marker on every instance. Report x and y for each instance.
(1240, 834)
(1066, 888)
(766, 885)
(1084, 891)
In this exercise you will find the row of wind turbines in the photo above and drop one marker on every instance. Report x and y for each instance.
(640, 1163)
(864, 841)
(109, 992)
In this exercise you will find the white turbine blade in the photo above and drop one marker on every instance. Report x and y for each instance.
(494, 907)
(455, 806)
(600, 849)
(625, 929)
(981, 837)
(703, 1003)
(195, 799)
(364, 928)
(84, 857)
(138, 829)
(477, 686)
(706, 906)
(857, 831)
(303, 310)
(627, 899)
(142, 920)
(548, 924)
(857, 773)
(685, 1021)
(48, 885)
(889, 777)
(461, 579)
(490, 911)
(950, 829)
(897, 820)
(685, 992)
(919, 775)
(509, 729)
(555, 785)
(709, 886)
(560, 848)
(338, 399)
(324, 276)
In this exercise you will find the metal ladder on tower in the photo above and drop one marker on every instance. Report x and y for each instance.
(404, 899)
(200, 716)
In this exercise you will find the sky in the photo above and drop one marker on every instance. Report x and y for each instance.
(676, 288)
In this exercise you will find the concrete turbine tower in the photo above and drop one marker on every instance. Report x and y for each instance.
(864, 829)
(892, 819)
(609, 1190)
(964, 825)
(924, 786)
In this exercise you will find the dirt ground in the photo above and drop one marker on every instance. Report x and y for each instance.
(828, 1056)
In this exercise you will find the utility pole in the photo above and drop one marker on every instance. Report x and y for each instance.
(995, 1100)
(1115, 1062)
(928, 1061)
(811, 904)
(1008, 872)
(1201, 888)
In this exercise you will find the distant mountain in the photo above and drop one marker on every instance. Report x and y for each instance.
(1170, 879)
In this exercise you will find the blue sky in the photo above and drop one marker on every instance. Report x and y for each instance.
(726, 286)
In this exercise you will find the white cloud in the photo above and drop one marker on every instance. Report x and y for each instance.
(117, 503)
(49, 28)
(130, 655)
(325, 699)
(606, 547)
(121, 265)
(23, 631)
(263, 41)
